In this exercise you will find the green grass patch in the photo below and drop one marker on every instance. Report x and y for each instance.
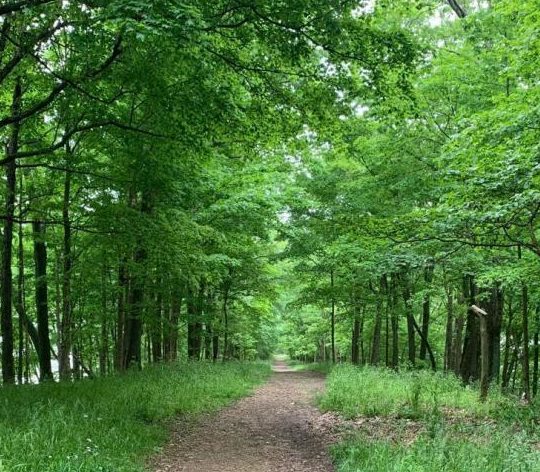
(497, 452)
(322, 367)
(367, 391)
(457, 432)
(111, 424)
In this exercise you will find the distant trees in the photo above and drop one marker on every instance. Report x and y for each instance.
(143, 141)
(428, 204)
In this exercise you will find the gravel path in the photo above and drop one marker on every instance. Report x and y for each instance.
(277, 429)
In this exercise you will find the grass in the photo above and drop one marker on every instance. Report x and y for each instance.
(456, 431)
(111, 424)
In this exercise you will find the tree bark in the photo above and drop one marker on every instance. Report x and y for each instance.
(42, 301)
(66, 329)
(333, 317)
(406, 291)
(6, 292)
(470, 359)
(426, 309)
(448, 348)
(458, 9)
(536, 352)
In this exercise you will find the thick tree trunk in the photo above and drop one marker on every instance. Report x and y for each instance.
(134, 310)
(42, 301)
(6, 291)
(121, 315)
(470, 359)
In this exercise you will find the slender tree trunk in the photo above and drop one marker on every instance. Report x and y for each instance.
(376, 346)
(395, 325)
(6, 292)
(494, 327)
(411, 342)
(526, 384)
(42, 301)
(226, 290)
(104, 338)
(448, 348)
(333, 317)
(536, 351)
(355, 340)
(65, 335)
(157, 325)
(506, 373)
(21, 289)
(194, 325)
(426, 309)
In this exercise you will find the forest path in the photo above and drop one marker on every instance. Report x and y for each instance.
(276, 429)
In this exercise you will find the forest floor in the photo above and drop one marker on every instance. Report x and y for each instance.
(276, 429)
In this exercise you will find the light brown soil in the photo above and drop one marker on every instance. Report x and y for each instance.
(276, 429)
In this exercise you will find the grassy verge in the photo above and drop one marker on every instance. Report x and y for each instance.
(420, 421)
(322, 367)
(111, 424)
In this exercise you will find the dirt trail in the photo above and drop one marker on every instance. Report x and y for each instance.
(277, 429)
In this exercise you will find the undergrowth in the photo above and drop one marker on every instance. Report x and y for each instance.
(111, 424)
(456, 432)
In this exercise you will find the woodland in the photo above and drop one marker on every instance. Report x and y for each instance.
(200, 183)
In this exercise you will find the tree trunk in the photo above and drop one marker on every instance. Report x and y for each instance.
(376, 346)
(536, 351)
(226, 290)
(494, 326)
(194, 325)
(406, 291)
(426, 308)
(6, 292)
(525, 375)
(42, 301)
(448, 349)
(395, 325)
(484, 343)
(65, 335)
(470, 359)
(21, 299)
(506, 373)
(333, 317)
(121, 315)
(157, 325)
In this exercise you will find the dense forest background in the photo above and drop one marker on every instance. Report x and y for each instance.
(337, 180)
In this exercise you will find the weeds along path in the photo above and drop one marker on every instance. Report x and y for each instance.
(277, 429)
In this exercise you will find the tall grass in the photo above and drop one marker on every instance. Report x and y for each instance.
(458, 433)
(110, 424)
(370, 391)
